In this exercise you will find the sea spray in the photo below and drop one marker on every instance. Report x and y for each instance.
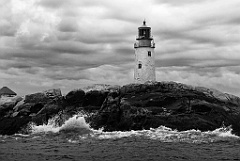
(74, 123)
(76, 129)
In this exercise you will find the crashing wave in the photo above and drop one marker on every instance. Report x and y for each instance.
(77, 126)
(75, 123)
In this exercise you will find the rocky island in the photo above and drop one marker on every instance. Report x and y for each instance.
(129, 107)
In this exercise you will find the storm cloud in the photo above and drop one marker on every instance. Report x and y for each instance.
(71, 44)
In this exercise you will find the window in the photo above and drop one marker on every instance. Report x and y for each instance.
(149, 53)
(139, 66)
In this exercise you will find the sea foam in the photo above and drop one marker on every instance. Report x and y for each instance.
(77, 125)
(74, 123)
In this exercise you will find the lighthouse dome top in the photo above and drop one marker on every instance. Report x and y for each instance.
(144, 25)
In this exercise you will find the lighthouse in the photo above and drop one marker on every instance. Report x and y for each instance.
(144, 69)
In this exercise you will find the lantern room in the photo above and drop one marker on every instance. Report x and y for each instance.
(144, 32)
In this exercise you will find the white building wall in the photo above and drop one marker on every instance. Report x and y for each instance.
(147, 72)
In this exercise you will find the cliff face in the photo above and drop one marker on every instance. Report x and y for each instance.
(175, 105)
(130, 107)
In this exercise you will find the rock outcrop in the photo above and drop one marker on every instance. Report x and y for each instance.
(175, 105)
(16, 112)
(130, 107)
(89, 101)
(7, 104)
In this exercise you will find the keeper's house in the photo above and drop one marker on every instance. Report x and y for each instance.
(5, 91)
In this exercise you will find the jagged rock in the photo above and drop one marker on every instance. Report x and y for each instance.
(21, 106)
(101, 87)
(10, 99)
(18, 105)
(36, 108)
(95, 98)
(90, 101)
(47, 112)
(53, 93)
(15, 114)
(24, 112)
(7, 104)
(175, 105)
(49, 101)
(43, 97)
(50, 109)
(37, 98)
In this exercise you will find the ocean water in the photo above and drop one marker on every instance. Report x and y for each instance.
(75, 140)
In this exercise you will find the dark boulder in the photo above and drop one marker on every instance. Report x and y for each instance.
(75, 98)
(23, 106)
(10, 126)
(37, 98)
(50, 109)
(43, 97)
(94, 99)
(90, 101)
(37, 105)
(36, 108)
(50, 102)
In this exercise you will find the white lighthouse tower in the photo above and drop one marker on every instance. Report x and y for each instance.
(144, 69)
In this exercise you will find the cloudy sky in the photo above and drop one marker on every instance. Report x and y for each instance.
(70, 44)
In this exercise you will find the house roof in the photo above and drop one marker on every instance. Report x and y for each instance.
(7, 91)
